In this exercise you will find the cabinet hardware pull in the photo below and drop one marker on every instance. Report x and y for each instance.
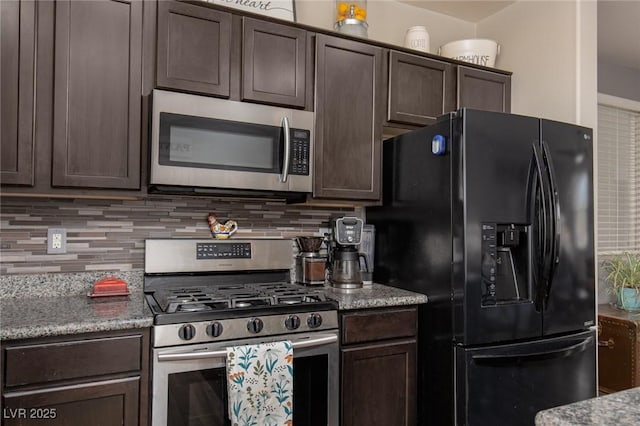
(607, 343)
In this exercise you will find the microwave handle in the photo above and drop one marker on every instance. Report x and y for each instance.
(287, 149)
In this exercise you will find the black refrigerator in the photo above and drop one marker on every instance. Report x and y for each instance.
(491, 216)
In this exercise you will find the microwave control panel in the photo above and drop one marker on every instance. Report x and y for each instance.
(300, 147)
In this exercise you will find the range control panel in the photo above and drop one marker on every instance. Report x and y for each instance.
(300, 147)
(223, 251)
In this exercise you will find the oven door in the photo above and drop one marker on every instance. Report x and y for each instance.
(198, 141)
(190, 382)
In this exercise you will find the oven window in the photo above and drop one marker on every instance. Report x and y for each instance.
(187, 141)
(199, 398)
(310, 383)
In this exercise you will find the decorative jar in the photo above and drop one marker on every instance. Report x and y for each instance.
(351, 17)
(417, 38)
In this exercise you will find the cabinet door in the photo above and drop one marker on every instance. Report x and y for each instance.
(618, 352)
(485, 90)
(17, 85)
(273, 63)
(107, 403)
(420, 89)
(348, 127)
(97, 94)
(379, 384)
(193, 48)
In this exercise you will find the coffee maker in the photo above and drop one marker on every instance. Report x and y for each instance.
(344, 257)
(310, 263)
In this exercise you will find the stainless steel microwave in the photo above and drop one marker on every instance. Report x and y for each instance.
(203, 142)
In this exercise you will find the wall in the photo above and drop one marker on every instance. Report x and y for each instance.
(552, 50)
(388, 21)
(109, 235)
(619, 81)
(550, 46)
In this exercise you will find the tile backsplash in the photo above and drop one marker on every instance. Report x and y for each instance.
(108, 235)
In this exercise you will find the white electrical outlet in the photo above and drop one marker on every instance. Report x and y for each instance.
(56, 241)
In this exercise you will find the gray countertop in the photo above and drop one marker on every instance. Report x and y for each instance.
(373, 296)
(29, 317)
(39, 305)
(57, 304)
(616, 409)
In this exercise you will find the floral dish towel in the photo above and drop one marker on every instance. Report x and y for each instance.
(260, 384)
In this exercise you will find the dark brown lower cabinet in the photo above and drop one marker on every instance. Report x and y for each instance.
(92, 379)
(379, 367)
(108, 403)
(618, 349)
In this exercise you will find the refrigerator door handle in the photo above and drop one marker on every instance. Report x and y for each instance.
(555, 216)
(542, 217)
(570, 350)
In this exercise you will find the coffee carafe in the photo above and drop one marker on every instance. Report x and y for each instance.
(310, 263)
(345, 258)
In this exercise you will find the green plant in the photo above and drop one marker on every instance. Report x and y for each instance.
(623, 271)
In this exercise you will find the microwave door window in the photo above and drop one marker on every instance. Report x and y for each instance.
(221, 149)
(219, 144)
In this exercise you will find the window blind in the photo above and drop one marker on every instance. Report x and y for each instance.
(618, 180)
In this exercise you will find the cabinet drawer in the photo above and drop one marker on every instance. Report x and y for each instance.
(359, 327)
(43, 363)
(618, 354)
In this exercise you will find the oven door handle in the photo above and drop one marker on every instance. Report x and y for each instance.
(307, 343)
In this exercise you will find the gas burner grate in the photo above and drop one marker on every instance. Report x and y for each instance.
(193, 307)
(250, 302)
(289, 299)
(226, 297)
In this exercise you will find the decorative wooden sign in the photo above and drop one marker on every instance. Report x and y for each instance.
(281, 9)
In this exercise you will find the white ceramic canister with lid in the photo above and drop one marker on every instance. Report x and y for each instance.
(417, 38)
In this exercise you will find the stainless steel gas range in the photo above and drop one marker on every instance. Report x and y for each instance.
(207, 295)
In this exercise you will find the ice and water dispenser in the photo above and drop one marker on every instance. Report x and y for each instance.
(506, 264)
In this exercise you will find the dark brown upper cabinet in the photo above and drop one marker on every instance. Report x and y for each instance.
(194, 45)
(485, 90)
(97, 94)
(420, 89)
(18, 26)
(348, 130)
(273, 63)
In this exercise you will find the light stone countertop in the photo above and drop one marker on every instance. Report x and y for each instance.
(616, 409)
(22, 318)
(373, 296)
(40, 305)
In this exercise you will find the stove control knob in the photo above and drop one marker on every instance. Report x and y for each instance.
(214, 329)
(292, 322)
(187, 332)
(255, 325)
(314, 320)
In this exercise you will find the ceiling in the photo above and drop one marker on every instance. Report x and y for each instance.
(471, 11)
(619, 32)
(618, 24)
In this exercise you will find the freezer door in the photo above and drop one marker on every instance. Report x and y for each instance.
(494, 284)
(570, 291)
(509, 384)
